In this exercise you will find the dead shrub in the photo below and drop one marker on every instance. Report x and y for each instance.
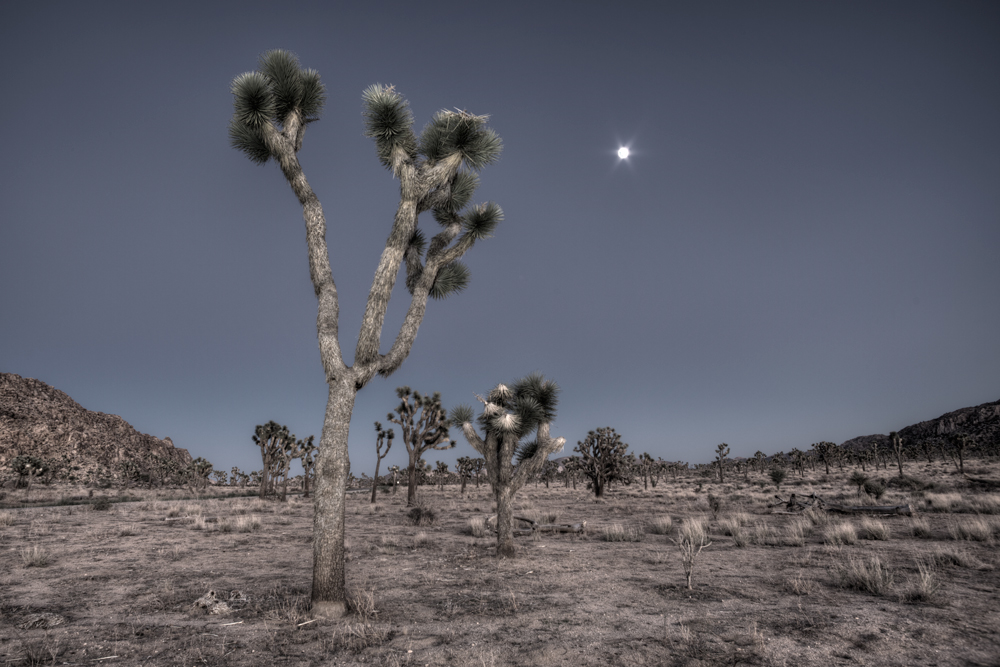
(692, 537)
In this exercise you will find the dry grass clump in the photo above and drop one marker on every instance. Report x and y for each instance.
(421, 539)
(6, 519)
(225, 525)
(943, 502)
(925, 587)
(873, 529)
(128, 530)
(173, 511)
(248, 524)
(34, 556)
(977, 528)
(920, 527)
(616, 532)
(660, 525)
(988, 503)
(957, 558)
(732, 523)
(870, 575)
(795, 534)
(817, 517)
(477, 526)
(799, 585)
(840, 533)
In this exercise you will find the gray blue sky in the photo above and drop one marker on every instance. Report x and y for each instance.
(802, 247)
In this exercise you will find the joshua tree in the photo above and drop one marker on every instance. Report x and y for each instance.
(602, 458)
(424, 423)
(291, 449)
(271, 438)
(308, 459)
(759, 460)
(721, 452)
(272, 108)
(394, 469)
(897, 447)
(824, 452)
(510, 415)
(777, 476)
(959, 443)
(464, 467)
(200, 469)
(478, 465)
(381, 437)
(859, 479)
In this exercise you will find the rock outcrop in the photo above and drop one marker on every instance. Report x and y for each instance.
(981, 424)
(39, 420)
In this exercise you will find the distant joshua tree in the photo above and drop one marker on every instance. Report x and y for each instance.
(602, 458)
(897, 447)
(381, 437)
(721, 452)
(510, 416)
(424, 424)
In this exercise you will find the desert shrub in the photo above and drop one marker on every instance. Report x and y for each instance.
(34, 556)
(661, 525)
(616, 532)
(920, 527)
(840, 533)
(102, 504)
(6, 519)
(873, 529)
(173, 511)
(870, 575)
(977, 528)
(778, 476)
(225, 525)
(715, 505)
(692, 537)
(874, 489)
(477, 526)
(199, 523)
(422, 516)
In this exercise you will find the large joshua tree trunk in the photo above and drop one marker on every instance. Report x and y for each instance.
(332, 468)
(505, 522)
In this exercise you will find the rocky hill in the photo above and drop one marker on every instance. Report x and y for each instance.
(39, 420)
(980, 423)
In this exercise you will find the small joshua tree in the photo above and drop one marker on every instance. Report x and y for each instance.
(270, 438)
(308, 459)
(510, 415)
(381, 437)
(859, 479)
(777, 476)
(721, 452)
(424, 423)
(897, 447)
(691, 539)
(602, 458)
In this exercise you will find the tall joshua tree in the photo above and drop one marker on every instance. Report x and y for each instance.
(272, 108)
(510, 415)
(270, 437)
(381, 437)
(424, 423)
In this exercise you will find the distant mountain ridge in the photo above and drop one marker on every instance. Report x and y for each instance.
(980, 424)
(37, 419)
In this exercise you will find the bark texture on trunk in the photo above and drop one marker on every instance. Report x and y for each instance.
(329, 594)
(505, 523)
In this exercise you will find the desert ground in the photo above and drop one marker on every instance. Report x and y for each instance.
(102, 583)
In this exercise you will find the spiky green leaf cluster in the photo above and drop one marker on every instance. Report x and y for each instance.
(268, 96)
(518, 409)
(389, 121)
(482, 220)
(461, 414)
(460, 132)
(452, 278)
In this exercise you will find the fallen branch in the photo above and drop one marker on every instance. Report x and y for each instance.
(795, 505)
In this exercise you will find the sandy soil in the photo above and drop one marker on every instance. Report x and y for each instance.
(85, 586)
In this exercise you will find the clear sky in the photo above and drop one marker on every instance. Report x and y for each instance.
(802, 246)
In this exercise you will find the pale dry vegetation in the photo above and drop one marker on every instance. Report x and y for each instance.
(765, 589)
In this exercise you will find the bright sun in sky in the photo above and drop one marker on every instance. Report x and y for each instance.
(623, 152)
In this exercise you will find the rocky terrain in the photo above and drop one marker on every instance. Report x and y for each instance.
(981, 424)
(39, 420)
